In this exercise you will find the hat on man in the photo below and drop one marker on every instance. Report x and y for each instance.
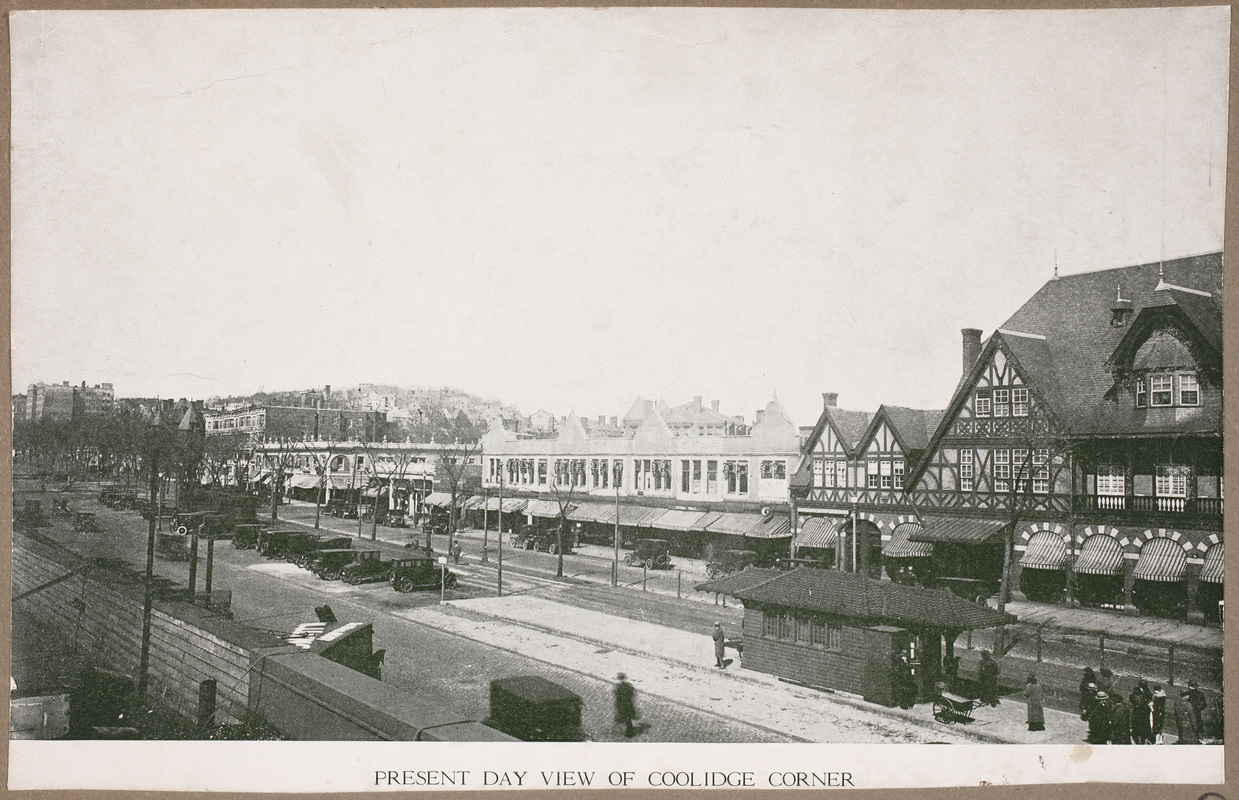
(1103, 696)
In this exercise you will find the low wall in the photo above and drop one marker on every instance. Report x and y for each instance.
(99, 610)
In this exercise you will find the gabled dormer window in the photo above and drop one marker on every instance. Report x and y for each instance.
(1189, 390)
(1161, 390)
(1142, 392)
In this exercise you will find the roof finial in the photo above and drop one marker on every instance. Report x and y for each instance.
(1161, 270)
(1118, 292)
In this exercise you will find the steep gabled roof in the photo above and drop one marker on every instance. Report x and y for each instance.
(913, 427)
(849, 428)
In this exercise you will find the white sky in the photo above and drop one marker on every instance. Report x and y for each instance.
(566, 208)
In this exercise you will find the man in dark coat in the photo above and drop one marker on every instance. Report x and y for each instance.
(1120, 721)
(720, 645)
(1141, 700)
(1099, 720)
(625, 705)
(987, 678)
(1088, 692)
(1197, 701)
(1159, 713)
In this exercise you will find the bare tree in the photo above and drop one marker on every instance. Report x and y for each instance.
(278, 454)
(563, 490)
(456, 471)
(222, 451)
(321, 457)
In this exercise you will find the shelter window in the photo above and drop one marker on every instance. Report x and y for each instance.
(1189, 390)
(696, 476)
(1019, 402)
(966, 474)
(982, 406)
(1163, 390)
(871, 473)
(1142, 392)
(1002, 470)
(1002, 402)
(1172, 480)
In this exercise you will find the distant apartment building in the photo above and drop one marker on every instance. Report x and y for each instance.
(298, 423)
(64, 402)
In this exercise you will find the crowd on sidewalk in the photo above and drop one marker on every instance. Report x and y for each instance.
(1141, 716)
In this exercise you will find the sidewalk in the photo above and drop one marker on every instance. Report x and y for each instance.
(683, 664)
(1117, 625)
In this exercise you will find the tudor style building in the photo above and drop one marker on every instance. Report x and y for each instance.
(1087, 431)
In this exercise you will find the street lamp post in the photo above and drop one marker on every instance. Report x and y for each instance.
(618, 471)
(499, 535)
(148, 596)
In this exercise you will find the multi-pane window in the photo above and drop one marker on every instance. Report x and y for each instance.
(819, 473)
(1041, 470)
(1162, 390)
(1018, 458)
(774, 469)
(1142, 392)
(618, 473)
(684, 477)
(1002, 470)
(793, 627)
(736, 473)
(982, 405)
(1019, 402)
(696, 477)
(1172, 480)
(871, 474)
(898, 474)
(885, 472)
(966, 475)
(841, 474)
(1111, 480)
(1002, 402)
(1189, 390)
(711, 477)
(542, 472)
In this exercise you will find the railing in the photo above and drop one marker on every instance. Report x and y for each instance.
(1140, 508)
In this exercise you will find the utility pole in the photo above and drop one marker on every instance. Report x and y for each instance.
(499, 585)
(148, 597)
(617, 472)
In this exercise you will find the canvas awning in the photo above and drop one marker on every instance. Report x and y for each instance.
(341, 483)
(475, 502)
(732, 522)
(819, 532)
(775, 526)
(632, 515)
(1161, 559)
(590, 512)
(901, 546)
(373, 491)
(261, 478)
(548, 509)
(510, 504)
(964, 530)
(674, 520)
(1100, 555)
(1046, 550)
(303, 481)
(438, 499)
(707, 519)
(1211, 572)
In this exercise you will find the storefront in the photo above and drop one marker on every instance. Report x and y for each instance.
(908, 561)
(1043, 567)
(817, 540)
(1209, 590)
(1160, 579)
(1099, 572)
(967, 553)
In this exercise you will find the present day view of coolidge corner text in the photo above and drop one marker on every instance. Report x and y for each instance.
(641, 325)
(1038, 560)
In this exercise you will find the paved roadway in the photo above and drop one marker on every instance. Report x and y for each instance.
(430, 651)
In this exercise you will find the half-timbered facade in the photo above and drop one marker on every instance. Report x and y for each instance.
(1086, 432)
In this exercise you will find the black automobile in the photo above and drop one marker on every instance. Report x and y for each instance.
(330, 564)
(274, 544)
(301, 549)
(541, 539)
(651, 553)
(368, 566)
(245, 535)
(731, 561)
(421, 572)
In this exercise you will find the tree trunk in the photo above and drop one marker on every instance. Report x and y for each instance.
(559, 541)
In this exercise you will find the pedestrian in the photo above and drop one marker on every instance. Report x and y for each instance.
(1120, 721)
(1158, 718)
(1105, 682)
(1185, 719)
(1099, 720)
(1036, 712)
(987, 677)
(456, 549)
(1088, 692)
(720, 645)
(1141, 701)
(1197, 701)
(950, 672)
(625, 705)
(904, 685)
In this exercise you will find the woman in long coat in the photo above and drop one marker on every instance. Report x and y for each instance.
(987, 677)
(1099, 720)
(1036, 711)
(1088, 692)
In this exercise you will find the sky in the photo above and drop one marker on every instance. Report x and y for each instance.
(566, 208)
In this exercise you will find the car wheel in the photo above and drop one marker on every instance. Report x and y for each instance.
(403, 584)
(553, 549)
(353, 579)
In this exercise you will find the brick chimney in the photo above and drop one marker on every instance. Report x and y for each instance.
(830, 399)
(714, 405)
(697, 402)
(972, 348)
(614, 421)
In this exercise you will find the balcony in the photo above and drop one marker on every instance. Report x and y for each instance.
(1132, 509)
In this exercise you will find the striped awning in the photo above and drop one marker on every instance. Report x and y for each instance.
(510, 504)
(673, 520)
(543, 508)
(776, 526)
(438, 499)
(1046, 550)
(591, 512)
(631, 515)
(732, 522)
(820, 532)
(965, 530)
(1161, 559)
(1211, 572)
(1100, 555)
(901, 546)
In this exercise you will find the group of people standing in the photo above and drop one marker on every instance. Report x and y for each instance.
(1140, 717)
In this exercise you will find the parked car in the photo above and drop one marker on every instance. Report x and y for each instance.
(651, 553)
(85, 522)
(422, 572)
(731, 561)
(368, 566)
(541, 539)
(302, 549)
(273, 544)
(245, 535)
(330, 564)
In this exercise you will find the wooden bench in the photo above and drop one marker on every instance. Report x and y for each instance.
(950, 708)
